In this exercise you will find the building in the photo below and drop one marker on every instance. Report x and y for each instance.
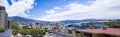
(108, 32)
(3, 18)
(4, 23)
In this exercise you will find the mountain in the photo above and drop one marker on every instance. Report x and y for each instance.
(84, 20)
(27, 20)
(21, 19)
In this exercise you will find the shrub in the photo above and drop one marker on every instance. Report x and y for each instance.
(2, 30)
(15, 32)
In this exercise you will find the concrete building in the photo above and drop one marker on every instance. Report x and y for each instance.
(3, 18)
(109, 32)
(4, 23)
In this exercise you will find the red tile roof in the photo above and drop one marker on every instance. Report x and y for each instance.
(110, 31)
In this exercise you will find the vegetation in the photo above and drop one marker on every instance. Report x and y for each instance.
(34, 32)
(37, 32)
(118, 23)
(31, 25)
(14, 26)
(91, 26)
(25, 27)
(2, 30)
(24, 32)
(15, 32)
(112, 23)
(37, 23)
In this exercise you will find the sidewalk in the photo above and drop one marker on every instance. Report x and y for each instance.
(47, 36)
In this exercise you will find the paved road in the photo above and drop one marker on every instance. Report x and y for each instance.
(57, 35)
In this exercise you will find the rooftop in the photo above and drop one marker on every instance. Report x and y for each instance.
(2, 8)
(109, 31)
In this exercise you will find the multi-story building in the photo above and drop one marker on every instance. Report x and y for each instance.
(3, 18)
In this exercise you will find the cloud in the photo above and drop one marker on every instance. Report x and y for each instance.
(19, 7)
(100, 9)
(57, 8)
(50, 12)
(4, 3)
(53, 11)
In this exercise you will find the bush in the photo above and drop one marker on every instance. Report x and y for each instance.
(14, 26)
(25, 27)
(2, 30)
(24, 31)
(37, 32)
(15, 32)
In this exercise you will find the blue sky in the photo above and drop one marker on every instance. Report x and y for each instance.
(56, 10)
(43, 5)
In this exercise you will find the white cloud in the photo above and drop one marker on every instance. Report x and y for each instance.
(57, 8)
(100, 9)
(50, 12)
(4, 3)
(53, 11)
(18, 8)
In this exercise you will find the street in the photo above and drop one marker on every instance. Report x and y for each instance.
(57, 35)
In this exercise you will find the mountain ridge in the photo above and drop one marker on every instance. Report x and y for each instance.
(22, 19)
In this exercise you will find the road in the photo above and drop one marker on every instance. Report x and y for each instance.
(57, 35)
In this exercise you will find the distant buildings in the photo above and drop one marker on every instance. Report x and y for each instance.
(3, 18)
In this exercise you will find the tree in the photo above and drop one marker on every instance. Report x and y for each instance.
(2, 30)
(37, 23)
(33, 32)
(91, 26)
(90, 23)
(25, 27)
(118, 23)
(40, 31)
(37, 32)
(15, 32)
(31, 25)
(14, 26)
(112, 23)
(24, 32)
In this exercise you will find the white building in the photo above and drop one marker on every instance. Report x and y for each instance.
(3, 18)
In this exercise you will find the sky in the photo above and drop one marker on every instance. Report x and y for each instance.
(57, 10)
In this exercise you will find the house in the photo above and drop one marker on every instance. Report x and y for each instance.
(109, 32)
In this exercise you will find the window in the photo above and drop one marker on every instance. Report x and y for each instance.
(87, 35)
(109, 36)
(0, 8)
